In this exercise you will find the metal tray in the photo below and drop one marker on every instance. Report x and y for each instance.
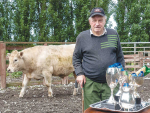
(103, 105)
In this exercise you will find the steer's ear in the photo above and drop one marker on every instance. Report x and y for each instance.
(21, 54)
(8, 55)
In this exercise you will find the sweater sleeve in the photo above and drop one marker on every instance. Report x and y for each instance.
(120, 56)
(77, 57)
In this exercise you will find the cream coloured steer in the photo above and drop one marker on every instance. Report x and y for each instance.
(42, 62)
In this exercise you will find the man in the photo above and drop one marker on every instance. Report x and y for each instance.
(95, 50)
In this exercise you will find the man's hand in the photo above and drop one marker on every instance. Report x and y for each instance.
(81, 80)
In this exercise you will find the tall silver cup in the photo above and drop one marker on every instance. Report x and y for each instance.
(112, 76)
(123, 78)
(127, 100)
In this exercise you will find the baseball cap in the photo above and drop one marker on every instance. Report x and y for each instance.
(97, 11)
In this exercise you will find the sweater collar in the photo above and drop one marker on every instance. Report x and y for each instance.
(105, 32)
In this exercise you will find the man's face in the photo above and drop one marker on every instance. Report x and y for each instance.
(97, 23)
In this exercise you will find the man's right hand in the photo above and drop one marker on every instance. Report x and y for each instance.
(81, 80)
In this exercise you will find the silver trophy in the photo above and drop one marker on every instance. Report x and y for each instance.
(123, 77)
(112, 76)
(129, 96)
(127, 100)
(137, 82)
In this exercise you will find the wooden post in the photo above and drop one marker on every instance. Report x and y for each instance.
(45, 44)
(3, 64)
(141, 59)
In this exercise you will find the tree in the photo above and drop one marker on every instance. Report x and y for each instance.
(81, 14)
(61, 20)
(47, 20)
(145, 24)
(23, 19)
(132, 19)
(5, 20)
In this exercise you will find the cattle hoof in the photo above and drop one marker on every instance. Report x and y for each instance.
(74, 94)
(50, 95)
(20, 96)
(75, 91)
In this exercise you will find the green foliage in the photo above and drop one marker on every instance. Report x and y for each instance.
(16, 74)
(63, 20)
(133, 20)
(46, 20)
(23, 20)
(7, 74)
(71, 75)
(5, 21)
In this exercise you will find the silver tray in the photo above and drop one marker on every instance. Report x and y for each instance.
(103, 105)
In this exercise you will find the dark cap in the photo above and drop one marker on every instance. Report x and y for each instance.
(97, 11)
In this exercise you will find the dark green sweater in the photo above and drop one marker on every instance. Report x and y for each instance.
(93, 55)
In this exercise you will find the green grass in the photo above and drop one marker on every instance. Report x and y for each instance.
(15, 74)
(71, 75)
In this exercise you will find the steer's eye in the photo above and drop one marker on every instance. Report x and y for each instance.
(15, 60)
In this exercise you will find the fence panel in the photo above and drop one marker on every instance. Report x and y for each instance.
(135, 55)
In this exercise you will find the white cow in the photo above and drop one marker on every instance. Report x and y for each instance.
(42, 62)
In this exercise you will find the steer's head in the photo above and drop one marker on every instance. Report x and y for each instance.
(16, 62)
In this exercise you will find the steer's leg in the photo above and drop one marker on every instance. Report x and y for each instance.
(24, 85)
(48, 82)
(76, 85)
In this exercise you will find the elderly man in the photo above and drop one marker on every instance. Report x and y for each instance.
(95, 50)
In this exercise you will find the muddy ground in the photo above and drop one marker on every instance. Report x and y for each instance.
(36, 100)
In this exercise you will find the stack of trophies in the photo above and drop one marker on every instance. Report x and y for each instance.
(127, 98)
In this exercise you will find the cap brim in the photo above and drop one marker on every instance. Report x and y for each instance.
(97, 14)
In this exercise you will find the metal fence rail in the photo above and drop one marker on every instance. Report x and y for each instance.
(136, 54)
(135, 46)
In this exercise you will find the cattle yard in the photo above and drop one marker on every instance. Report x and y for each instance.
(36, 99)
(135, 57)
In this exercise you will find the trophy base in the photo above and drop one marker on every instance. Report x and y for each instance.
(111, 100)
(138, 101)
(103, 105)
(117, 107)
(116, 98)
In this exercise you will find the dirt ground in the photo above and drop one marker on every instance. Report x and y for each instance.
(36, 100)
